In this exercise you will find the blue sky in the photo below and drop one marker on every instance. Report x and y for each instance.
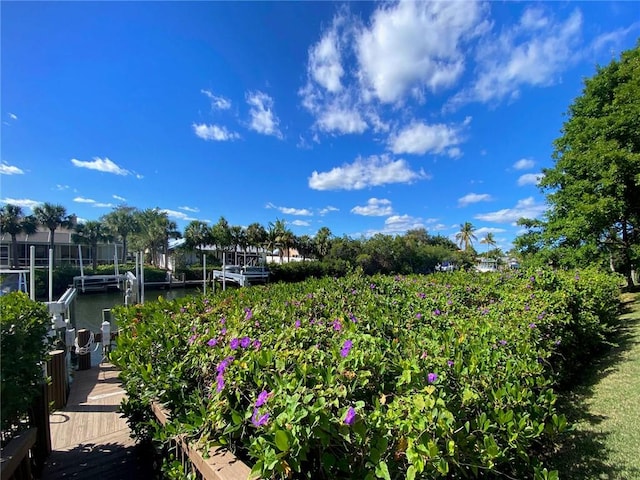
(362, 117)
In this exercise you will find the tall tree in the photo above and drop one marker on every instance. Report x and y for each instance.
(489, 241)
(323, 242)
(593, 189)
(53, 217)
(155, 231)
(256, 236)
(13, 221)
(221, 234)
(91, 233)
(238, 239)
(305, 246)
(122, 222)
(466, 236)
(197, 234)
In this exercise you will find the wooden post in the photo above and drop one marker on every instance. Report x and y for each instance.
(40, 419)
(84, 359)
(56, 368)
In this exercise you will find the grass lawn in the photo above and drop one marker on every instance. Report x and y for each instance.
(604, 407)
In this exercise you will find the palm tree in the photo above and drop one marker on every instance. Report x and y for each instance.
(256, 236)
(282, 236)
(52, 216)
(489, 240)
(197, 234)
(155, 231)
(13, 221)
(122, 221)
(221, 234)
(305, 246)
(91, 233)
(465, 236)
(323, 242)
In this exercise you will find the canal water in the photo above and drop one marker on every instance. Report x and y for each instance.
(88, 309)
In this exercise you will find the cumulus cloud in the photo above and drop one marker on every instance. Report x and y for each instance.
(530, 179)
(523, 164)
(398, 224)
(189, 209)
(217, 102)
(365, 172)
(335, 119)
(178, 215)
(479, 232)
(263, 119)
(103, 205)
(102, 165)
(21, 202)
(291, 211)
(118, 197)
(525, 208)
(325, 59)
(327, 209)
(412, 46)
(420, 138)
(214, 132)
(84, 200)
(533, 52)
(300, 223)
(470, 198)
(6, 169)
(375, 207)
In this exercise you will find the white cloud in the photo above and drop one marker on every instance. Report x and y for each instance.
(365, 172)
(470, 198)
(84, 200)
(263, 120)
(102, 165)
(612, 40)
(21, 202)
(325, 59)
(525, 208)
(410, 46)
(300, 223)
(335, 119)
(420, 138)
(189, 209)
(219, 103)
(291, 211)
(12, 116)
(103, 205)
(178, 215)
(328, 209)
(214, 132)
(530, 179)
(375, 207)
(479, 232)
(524, 164)
(6, 169)
(62, 187)
(533, 52)
(398, 224)
(118, 197)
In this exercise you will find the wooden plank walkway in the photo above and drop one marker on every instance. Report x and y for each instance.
(89, 439)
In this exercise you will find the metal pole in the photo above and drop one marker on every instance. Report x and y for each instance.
(142, 278)
(51, 275)
(224, 278)
(204, 273)
(81, 267)
(32, 272)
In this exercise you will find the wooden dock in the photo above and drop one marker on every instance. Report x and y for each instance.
(89, 439)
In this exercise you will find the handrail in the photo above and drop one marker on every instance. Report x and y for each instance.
(16, 451)
(220, 464)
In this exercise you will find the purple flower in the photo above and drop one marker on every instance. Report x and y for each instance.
(245, 342)
(337, 325)
(532, 325)
(346, 348)
(224, 364)
(220, 382)
(212, 342)
(422, 295)
(432, 377)
(182, 309)
(350, 416)
(223, 320)
(418, 316)
(192, 339)
(503, 342)
(436, 312)
(353, 318)
(234, 343)
(424, 355)
(248, 314)
(257, 344)
(259, 421)
(527, 308)
(354, 292)
(262, 398)
(541, 316)
(223, 331)
(297, 324)
(450, 363)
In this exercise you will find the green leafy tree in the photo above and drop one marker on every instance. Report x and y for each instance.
(489, 240)
(13, 221)
(221, 234)
(122, 222)
(197, 234)
(256, 236)
(594, 187)
(466, 236)
(305, 246)
(91, 233)
(323, 242)
(53, 217)
(154, 233)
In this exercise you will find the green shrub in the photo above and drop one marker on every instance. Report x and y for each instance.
(449, 375)
(24, 326)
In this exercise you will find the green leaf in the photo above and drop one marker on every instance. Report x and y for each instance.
(382, 471)
(282, 440)
(411, 473)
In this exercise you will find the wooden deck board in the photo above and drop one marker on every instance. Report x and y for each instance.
(88, 436)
